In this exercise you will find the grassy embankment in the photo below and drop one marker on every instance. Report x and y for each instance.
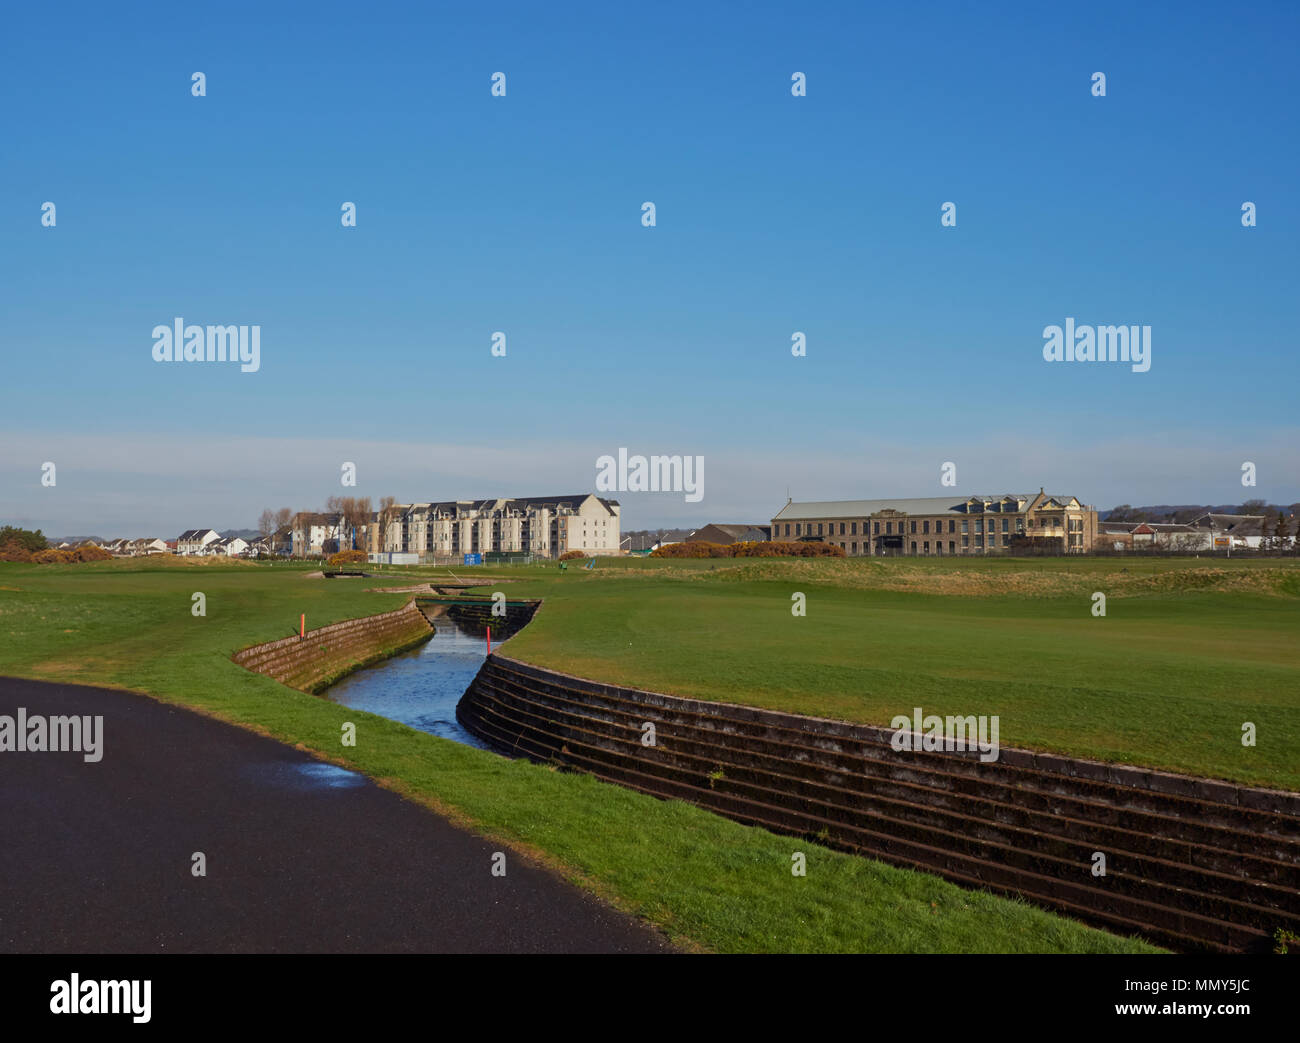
(707, 881)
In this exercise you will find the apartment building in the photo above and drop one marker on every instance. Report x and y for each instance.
(313, 533)
(544, 526)
(938, 525)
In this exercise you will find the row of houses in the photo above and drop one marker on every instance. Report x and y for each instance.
(1209, 532)
(191, 542)
(210, 543)
(123, 548)
(540, 526)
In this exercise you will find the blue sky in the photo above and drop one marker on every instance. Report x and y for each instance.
(522, 214)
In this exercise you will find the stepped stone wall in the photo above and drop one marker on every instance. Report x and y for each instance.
(1192, 864)
(324, 655)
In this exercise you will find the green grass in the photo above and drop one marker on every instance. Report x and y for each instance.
(1186, 652)
(706, 881)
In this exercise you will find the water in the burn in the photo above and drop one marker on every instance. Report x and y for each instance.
(421, 687)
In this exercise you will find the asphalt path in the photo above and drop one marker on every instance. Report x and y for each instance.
(300, 856)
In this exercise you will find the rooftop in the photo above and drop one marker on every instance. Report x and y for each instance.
(923, 505)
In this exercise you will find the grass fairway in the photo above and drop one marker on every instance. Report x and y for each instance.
(1187, 650)
(709, 882)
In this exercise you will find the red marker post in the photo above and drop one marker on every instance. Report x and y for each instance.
(489, 630)
(302, 627)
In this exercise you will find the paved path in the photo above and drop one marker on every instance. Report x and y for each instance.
(301, 856)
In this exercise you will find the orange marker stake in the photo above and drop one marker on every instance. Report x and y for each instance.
(489, 629)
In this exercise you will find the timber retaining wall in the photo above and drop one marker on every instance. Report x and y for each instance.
(324, 655)
(1193, 864)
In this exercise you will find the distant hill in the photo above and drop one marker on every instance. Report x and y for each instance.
(245, 534)
(54, 541)
(1185, 512)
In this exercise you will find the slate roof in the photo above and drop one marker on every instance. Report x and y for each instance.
(736, 533)
(923, 505)
(510, 503)
(1236, 524)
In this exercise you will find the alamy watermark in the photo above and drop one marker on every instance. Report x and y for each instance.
(71, 995)
(38, 734)
(933, 733)
(654, 474)
(181, 343)
(1098, 344)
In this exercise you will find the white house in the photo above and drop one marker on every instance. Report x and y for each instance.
(314, 533)
(193, 541)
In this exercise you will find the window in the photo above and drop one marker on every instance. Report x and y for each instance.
(979, 524)
(925, 527)
(965, 541)
(952, 547)
(819, 529)
(889, 528)
(841, 528)
(853, 529)
(927, 546)
(855, 548)
(914, 530)
(787, 528)
(877, 528)
(914, 546)
(965, 527)
(938, 546)
(798, 528)
(952, 526)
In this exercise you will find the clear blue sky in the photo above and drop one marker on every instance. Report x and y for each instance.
(522, 214)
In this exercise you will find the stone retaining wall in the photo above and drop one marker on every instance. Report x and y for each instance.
(1193, 864)
(324, 655)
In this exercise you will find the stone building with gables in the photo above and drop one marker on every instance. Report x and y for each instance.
(944, 525)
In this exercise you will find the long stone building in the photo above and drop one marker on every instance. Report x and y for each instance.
(943, 524)
(544, 526)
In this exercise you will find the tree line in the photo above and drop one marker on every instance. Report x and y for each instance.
(354, 513)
